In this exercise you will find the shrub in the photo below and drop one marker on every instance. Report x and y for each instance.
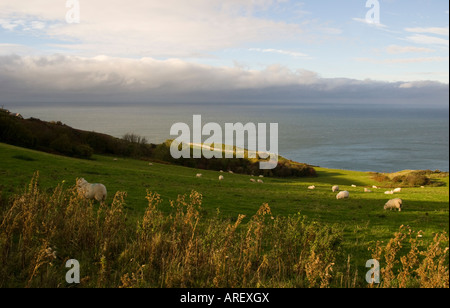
(415, 179)
(62, 145)
(83, 151)
(379, 177)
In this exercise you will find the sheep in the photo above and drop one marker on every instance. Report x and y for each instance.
(199, 175)
(394, 204)
(252, 180)
(91, 191)
(389, 192)
(221, 178)
(397, 190)
(367, 190)
(260, 181)
(230, 172)
(335, 188)
(261, 176)
(374, 187)
(312, 187)
(353, 185)
(343, 195)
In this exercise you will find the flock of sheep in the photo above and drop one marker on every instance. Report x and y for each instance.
(393, 204)
(221, 177)
(98, 191)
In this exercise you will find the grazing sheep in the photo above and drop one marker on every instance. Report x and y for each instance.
(261, 176)
(199, 175)
(260, 181)
(394, 204)
(389, 192)
(220, 177)
(335, 188)
(374, 187)
(353, 185)
(312, 187)
(397, 190)
(343, 195)
(231, 172)
(252, 180)
(91, 191)
(150, 164)
(367, 190)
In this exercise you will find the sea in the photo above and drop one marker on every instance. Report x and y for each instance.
(361, 137)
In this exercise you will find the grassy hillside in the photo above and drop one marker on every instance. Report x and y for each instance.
(361, 218)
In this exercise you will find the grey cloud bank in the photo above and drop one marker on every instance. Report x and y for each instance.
(68, 79)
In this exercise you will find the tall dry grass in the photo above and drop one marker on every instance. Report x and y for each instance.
(39, 232)
(423, 265)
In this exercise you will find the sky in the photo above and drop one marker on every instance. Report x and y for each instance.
(235, 50)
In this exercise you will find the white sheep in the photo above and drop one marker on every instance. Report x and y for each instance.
(221, 178)
(353, 185)
(335, 188)
(389, 192)
(199, 175)
(260, 181)
(394, 204)
(374, 187)
(397, 190)
(252, 180)
(91, 191)
(367, 190)
(312, 187)
(343, 195)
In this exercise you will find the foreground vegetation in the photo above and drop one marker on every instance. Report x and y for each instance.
(191, 240)
(39, 232)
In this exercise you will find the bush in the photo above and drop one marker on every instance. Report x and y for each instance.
(83, 151)
(62, 145)
(417, 180)
(379, 177)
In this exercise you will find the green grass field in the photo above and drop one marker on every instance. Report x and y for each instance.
(362, 217)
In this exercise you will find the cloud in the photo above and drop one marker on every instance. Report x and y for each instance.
(427, 40)
(403, 60)
(7, 49)
(280, 51)
(431, 30)
(420, 38)
(395, 49)
(169, 28)
(103, 79)
(368, 22)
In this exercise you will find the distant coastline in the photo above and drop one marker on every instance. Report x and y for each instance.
(346, 136)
